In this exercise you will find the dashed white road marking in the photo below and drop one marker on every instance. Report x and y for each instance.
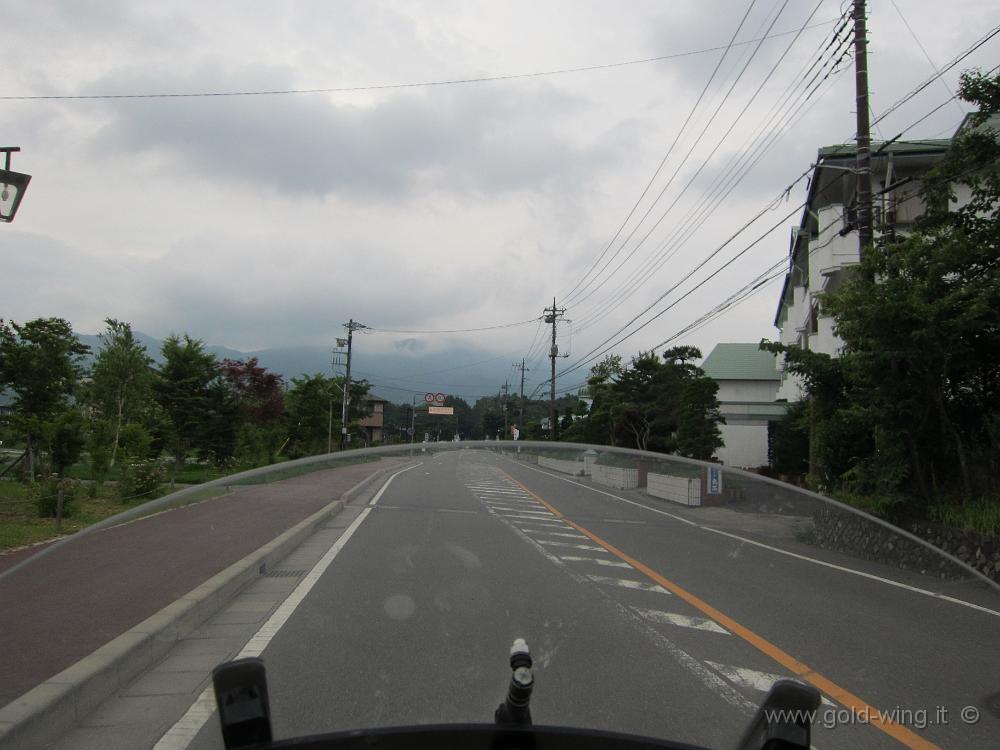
(628, 583)
(598, 560)
(671, 618)
(751, 679)
(778, 550)
(566, 534)
(587, 547)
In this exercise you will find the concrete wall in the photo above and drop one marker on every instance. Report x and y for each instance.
(682, 490)
(745, 444)
(566, 467)
(747, 390)
(619, 477)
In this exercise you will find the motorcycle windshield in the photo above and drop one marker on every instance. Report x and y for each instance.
(659, 596)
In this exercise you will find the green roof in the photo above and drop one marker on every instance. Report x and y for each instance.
(740, 362)
(929, 146)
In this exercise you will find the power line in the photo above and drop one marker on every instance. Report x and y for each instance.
(737, 169)
(776, 271)
(926, 54)
(704, 131)
(569, 296)
(391, 86)
(587, 358)
(456, 330)
(948, 66)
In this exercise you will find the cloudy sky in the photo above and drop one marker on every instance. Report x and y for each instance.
(268, 220)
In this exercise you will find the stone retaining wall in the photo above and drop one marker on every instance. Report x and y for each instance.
(855, 535)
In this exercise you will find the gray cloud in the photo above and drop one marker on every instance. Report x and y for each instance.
(485, 140)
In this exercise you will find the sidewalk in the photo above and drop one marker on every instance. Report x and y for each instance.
(81, 596)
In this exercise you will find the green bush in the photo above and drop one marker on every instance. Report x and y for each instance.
(141, 480)
(45, 494)
(982, 516)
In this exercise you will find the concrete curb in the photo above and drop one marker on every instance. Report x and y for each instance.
(55, 706)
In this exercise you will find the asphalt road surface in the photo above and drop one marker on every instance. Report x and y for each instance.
(69, 603)
(637, 621)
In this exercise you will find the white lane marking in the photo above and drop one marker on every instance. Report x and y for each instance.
(599, 561)
(706, 676)
(530, 527)
(567, 534)
(587, 547)
(514, 509)
(183, 732)
(671, 618)
(382, 489)
(751, 679)
(520, 515)
(627, 583)
(824, 563)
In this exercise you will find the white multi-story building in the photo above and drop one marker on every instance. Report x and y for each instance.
(824, 246)
(748, 383)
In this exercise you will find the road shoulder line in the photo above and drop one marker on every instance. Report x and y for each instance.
(56, 705)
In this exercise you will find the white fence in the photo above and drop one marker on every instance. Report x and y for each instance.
(619, 477)
(683, 490)
(575, 468)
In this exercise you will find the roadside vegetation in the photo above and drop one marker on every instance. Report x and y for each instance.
(906, 422)
(106, 430)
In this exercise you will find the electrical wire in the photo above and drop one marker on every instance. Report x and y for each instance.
(704, 130)
(569, 296)
(391, 86)
(587, 358)
(926, 55)
(372, 329)
(737, 169)
(948, 66)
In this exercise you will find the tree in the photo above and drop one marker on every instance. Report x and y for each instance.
(661, 404)
(260, 404)
(908, 413)
(309, 403)
(121, 379)
(40, 363)
(698, 434)
(183, 391)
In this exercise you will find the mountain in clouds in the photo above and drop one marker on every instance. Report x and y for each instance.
(462, 371)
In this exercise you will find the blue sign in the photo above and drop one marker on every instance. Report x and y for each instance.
(714, 481)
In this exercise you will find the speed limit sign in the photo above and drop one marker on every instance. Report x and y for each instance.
(429, 398)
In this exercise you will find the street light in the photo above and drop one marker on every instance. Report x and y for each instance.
(12, 186)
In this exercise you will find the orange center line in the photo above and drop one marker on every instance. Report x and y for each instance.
(799, 669)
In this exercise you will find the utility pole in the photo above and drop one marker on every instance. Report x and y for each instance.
(520, 411)
(552, 314)
(864, 162)
(506, 400)
(351, 326)
(334, 364)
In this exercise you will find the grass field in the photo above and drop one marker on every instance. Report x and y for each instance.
(21, 526)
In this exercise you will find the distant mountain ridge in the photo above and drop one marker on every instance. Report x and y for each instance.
(395, 377)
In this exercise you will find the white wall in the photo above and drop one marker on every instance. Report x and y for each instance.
(747, 390)
(745, 445)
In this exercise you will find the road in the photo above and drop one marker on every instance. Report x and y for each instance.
(638, 622)
(82, 595)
